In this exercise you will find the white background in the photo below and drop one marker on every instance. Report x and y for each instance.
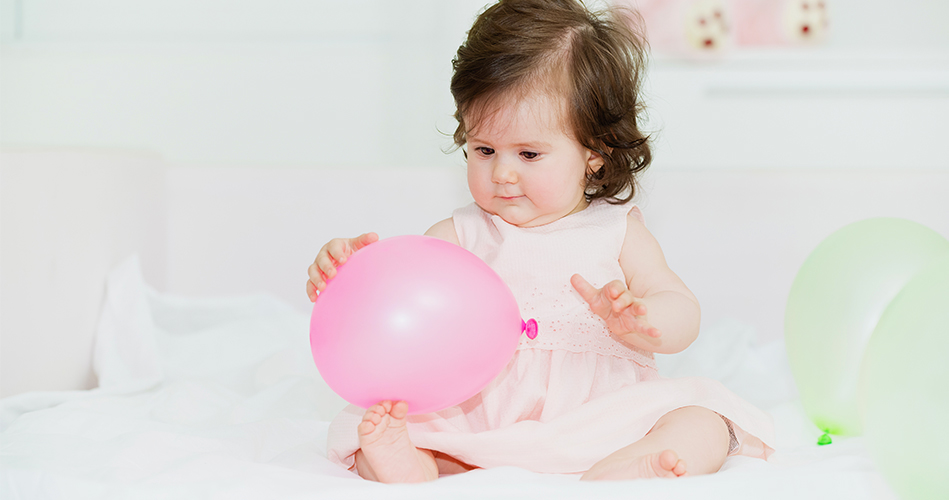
(249, 112)
(329, 83)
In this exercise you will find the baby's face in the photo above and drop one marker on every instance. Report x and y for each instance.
(524, 165)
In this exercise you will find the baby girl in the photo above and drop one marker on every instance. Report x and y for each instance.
(548, 110)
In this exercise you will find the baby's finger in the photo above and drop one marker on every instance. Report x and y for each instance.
(638, 308)
(651, 331)
(363, 240)
(623, 301)
(311, 290)
(584, 288)
(338, 250)
(615, 289)
(641, 309)
(317, 279)
(313, 272)
(326, 265)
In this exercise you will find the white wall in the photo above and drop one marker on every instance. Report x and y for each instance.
(327, 83)
(302, 82)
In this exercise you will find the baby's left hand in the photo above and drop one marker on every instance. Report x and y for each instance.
(623, 312)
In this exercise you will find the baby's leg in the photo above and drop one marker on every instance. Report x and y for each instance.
(690, 440)
(448, 465)
(386, 454)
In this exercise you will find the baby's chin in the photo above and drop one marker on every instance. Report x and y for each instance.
(519, 217)
(522, 221)
(510, 215)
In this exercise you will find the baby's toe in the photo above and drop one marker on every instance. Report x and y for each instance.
(372, 416)
(668, 460)
(366, 427)
(400, 410)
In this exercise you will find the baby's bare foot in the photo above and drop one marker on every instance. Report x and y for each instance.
(663, 464)
(385, 444)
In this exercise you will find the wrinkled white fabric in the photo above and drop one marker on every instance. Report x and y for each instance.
(242, 414)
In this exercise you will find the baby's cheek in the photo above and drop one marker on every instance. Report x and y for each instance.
(478, 189)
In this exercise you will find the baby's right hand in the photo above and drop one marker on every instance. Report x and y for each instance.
(331, 256)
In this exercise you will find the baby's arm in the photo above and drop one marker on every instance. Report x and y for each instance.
(653, 310)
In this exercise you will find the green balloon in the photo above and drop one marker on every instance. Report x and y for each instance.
(904, 387)
(837, 298)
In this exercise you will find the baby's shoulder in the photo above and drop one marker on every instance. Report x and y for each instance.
(638, 240)
(444, 230)
(603, 209)
(636, 230)
(635, 214)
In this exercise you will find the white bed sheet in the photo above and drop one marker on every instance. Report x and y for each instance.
(219, 398)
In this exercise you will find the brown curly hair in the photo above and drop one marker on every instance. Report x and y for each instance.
(594, 60)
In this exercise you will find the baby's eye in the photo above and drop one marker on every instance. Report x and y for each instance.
(530, 155)
(486, 151)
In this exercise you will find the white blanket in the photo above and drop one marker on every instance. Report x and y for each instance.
(219, 398)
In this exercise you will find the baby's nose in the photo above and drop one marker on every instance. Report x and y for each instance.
(504, 173)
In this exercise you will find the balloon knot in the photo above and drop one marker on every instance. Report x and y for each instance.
(530, 328)
(825, 439)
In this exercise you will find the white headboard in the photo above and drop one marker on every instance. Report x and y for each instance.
(66, 218)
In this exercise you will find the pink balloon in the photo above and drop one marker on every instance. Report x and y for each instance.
(417, 319)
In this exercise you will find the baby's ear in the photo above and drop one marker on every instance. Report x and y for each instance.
(595, 161)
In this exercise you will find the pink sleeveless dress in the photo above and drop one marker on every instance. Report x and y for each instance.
(575, 393)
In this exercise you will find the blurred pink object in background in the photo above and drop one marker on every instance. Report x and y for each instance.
(700, 27)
